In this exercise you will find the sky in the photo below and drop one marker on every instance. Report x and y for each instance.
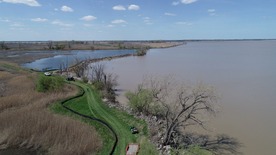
(32, 20)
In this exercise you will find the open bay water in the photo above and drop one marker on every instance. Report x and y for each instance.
(243, 73)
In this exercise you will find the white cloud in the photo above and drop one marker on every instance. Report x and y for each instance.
(17, 25)
(118, 21)
(88, 18)
(66, 9)
(39, 19)
(110, 25)
(119, 8)
(146, 18)
(169, 14)
(211, 10)
(133, 7)
(175, 3)
(59, 23)
(123, 8)
(87, 25)
(147, 21)
(184, 23)
(26, 2)
(188, 1)
(4, 20)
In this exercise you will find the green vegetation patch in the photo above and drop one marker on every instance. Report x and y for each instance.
(9, 67)
(142, 51)
(49, 83)
(91, 104)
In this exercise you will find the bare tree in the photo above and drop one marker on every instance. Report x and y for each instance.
(3, 45)
(105, 82)
(97, 72)
(182, 105)
(110, 81)
(50, 45)
(80, 68)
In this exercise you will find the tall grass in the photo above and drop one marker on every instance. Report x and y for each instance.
(40, 129)
(26, 122)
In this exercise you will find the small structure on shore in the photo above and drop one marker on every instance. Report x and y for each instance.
(132, 149)
(47, 74)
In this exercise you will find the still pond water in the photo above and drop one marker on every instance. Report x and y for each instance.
(243, 72)
(71, 56)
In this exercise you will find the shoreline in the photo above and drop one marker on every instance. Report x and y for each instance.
(32, 53)
(84, 45)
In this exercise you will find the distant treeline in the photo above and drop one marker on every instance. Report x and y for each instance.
(82, 45)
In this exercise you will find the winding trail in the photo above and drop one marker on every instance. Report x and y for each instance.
(91, 118)
(102, 114)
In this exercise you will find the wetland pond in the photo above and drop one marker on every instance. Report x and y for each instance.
(243, 73)
(69, 58)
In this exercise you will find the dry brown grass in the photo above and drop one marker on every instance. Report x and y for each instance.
(26, 122)
(32, 129)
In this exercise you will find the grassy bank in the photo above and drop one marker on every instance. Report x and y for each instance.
(26, 122)
(91, 104)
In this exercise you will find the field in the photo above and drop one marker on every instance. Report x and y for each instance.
(26, 121)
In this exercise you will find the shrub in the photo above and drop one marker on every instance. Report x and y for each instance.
(49, 83)
(142, 52)
(85, 79)
(98, 85)
(142, 101)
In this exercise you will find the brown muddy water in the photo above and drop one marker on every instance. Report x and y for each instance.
(243, 72)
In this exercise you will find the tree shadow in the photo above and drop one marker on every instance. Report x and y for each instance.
(218, 145)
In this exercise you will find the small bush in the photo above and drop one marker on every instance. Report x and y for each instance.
(142, 101)
(85, 79)
(49, 83)
(98, 85)
(142, 52)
